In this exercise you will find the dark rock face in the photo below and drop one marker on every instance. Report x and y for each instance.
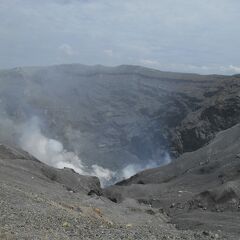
(200, 127)
(121, 115)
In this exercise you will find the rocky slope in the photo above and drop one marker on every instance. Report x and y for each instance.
(200, 190)
(40, 202)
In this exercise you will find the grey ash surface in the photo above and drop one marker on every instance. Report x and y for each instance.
(200, 190)
(39, 202)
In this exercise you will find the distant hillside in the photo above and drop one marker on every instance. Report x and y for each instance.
(114, 116)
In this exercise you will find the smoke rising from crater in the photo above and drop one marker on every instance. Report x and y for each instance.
(53, 153)
(132, 169)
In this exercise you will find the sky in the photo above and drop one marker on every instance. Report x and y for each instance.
(201, 36)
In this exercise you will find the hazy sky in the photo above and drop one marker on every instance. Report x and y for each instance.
(177, 35)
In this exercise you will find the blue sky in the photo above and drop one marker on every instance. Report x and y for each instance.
(200, 36)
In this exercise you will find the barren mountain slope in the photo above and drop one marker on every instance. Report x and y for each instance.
(200, 190)
(40, 202)
(115, 117)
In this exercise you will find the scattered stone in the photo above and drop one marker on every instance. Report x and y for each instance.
(66, 225)
(150, 211)
(206, 233)
(216, 236)
(98, 211)
(172, 205)
(129, 225)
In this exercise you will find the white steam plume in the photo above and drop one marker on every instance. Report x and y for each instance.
(52, 152)
(132, 169)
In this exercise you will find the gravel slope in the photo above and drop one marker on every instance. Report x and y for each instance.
(36, 206)
(200, 190)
